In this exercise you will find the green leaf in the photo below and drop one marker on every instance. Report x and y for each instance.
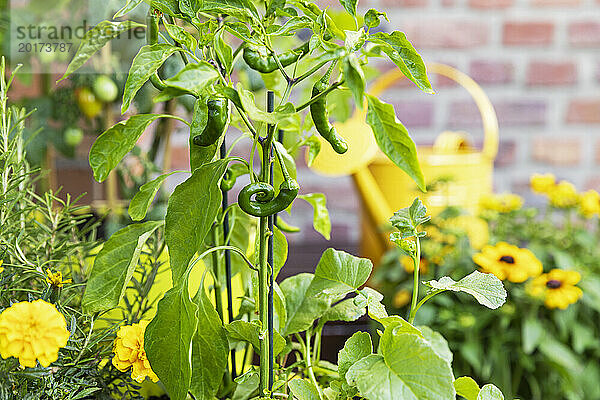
(194, 78)
(241, 9)
(138, 207)
(321, 221)
(467, 387)
(406, 220)
(404, 55)
(392, 138)
(250, 332)
(292, 25)
(337, 274)
(224, 51)
(280, 250)
(350, 6)
(246, 385)
(559, 353)
(355, 78)
(314, 148)
(373, 303)
(94, 40)
(114, 143)
(372, 18)
(114, 266)
(275, 5)
(147, 61)
(168, 341)
(191, 212)
(256, 114)
(303, 390)
(356, 347)
(437, 343)
(532, 333)
(490, 392)
(200, 155)
(345, 310)
(210, 350)
(355, 40)
(127, 8)
(486, 288)
(399, 324)
(181, 36)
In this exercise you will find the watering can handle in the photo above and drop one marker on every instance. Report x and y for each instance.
(488, 115)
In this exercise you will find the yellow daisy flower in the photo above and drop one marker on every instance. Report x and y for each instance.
(542, 183)
(505, 202)
(56, 279)
(401, 298)
(563, 195)
(409, 265)
(557, 288)
(508, 262)
(589, 204)
(129, 352)
(32, 332)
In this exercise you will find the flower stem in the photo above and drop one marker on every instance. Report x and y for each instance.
(415, 294)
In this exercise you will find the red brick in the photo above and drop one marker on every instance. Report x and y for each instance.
(584, 111)
(491, 72)
(490, 4)
(510, 113)
(551, 73)
(447, 33)
(414, 114)
(404, 3)
(555, 3)
(527, 33)
(556, 150)
(584, 34)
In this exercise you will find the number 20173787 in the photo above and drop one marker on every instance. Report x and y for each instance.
(45, 47)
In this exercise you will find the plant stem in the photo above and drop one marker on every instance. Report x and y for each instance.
(415, 295)
(320, 95)
(216, 272)
(307, 357)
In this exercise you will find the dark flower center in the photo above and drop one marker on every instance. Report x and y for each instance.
(553, 284)
(508, 259)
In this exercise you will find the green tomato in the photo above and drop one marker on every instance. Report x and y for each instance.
(105, 89)
(73, 136)
(87, 102)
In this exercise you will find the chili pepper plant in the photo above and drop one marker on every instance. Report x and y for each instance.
(188, 341)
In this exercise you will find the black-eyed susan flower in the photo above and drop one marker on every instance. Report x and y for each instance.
(32, 331)
(589, 203)
(542, 183)
(557, 288)
(503, 203)
(129, 352)
(56, 279)
(563, 195)
(508, 262)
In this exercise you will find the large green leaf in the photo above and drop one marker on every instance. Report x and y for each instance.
(345, 310)
(404, 55)
(250, 332)
(356, 347)
(355, 78)
(138, 207)
(321, 221)
(181, 36)
(95, 39)
(114, 266)
(490, 392)
(147, 61)
(130, 6)
(486, 288)
(337, 274)
(467, 387)
(210, 350)
(247, 100)
(350, 6)
(193, 78)
(392, 138)
(304, 390)
(168, 341)
(114, 143)
(437, 343)
(191, 212)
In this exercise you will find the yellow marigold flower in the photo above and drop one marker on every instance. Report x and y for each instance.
(589, 203)
(508, 262)
(32, 331)
(409, 265)
(401, 298)
(505, 202)
(129, 352)
(542, 183)
(563, 195)
(56, 279)
(557, 288)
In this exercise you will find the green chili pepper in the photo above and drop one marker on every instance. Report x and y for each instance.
(218, 116)
(264, 202)
(259, 60)
(320, 116)
(152, 30)
(231, 175)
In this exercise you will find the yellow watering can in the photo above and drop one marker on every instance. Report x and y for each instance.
(456, 174)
